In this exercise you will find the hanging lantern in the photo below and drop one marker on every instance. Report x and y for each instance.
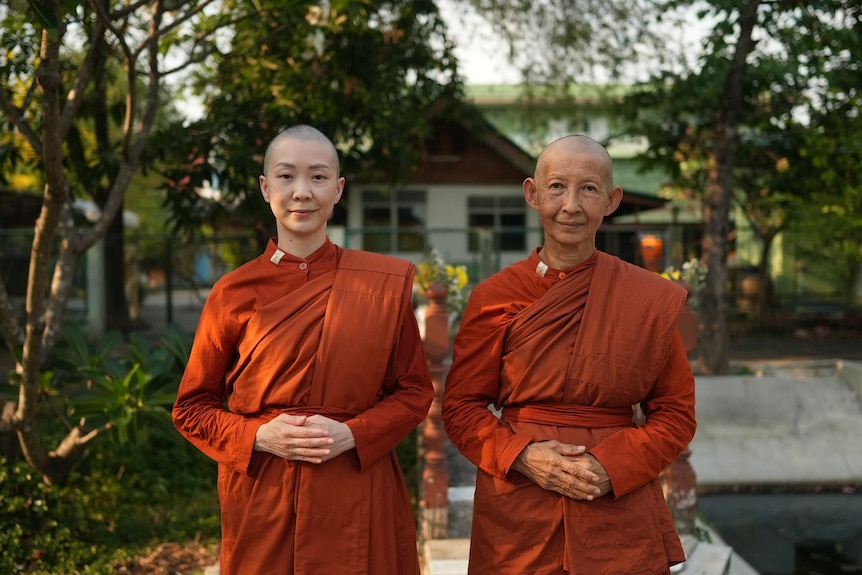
(652, 252)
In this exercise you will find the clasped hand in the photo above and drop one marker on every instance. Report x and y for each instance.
(310, 438)
(564, 468)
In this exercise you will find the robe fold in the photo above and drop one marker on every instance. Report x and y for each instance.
(564, 355)
(332, 334)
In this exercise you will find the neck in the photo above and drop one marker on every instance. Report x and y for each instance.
(565, 259)
(300, 247)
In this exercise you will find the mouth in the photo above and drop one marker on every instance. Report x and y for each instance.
(304, 212)
(570, 225)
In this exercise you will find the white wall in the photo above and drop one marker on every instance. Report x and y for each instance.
(447, 220)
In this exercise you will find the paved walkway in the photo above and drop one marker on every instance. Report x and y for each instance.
(791, 423)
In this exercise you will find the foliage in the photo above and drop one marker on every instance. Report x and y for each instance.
(131, 390)
(407, 453)
(692, 272)
(555, 43)
(367, 74)
(432, 269)
(81, 87)
(118, 503)
(754, 150)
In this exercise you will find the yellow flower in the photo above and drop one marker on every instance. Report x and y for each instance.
(433, 269)
(693, 272)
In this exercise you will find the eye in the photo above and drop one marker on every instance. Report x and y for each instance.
(285, 176)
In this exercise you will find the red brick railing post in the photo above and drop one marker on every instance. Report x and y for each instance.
(679, 484)
(678, 480)
(435, 476)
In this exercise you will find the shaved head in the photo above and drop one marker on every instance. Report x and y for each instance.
(302, 132)
(575, 144)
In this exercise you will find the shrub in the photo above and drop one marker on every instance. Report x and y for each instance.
(119, 502)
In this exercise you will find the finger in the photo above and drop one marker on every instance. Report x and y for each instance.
(568, 449)
(292, 419)
(577, 489)
(307, 454)
(584, 474)
(310, 442)
(305, 432)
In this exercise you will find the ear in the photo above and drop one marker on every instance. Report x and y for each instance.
(264, 188)
(531, 193)
(340, 189)
(614, 199)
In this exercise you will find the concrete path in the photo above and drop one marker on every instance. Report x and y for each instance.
(791, 423)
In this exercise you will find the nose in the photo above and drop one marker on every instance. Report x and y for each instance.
(571, 201)
(301, 189)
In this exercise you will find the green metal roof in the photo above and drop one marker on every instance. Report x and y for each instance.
(628, 175)
(509, 93)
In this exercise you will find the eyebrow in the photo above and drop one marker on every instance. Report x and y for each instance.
(322, 166)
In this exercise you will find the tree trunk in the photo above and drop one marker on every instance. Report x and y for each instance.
(715, 340)
(115, 277)
(763, 280)
(8, 440)
(56, 194)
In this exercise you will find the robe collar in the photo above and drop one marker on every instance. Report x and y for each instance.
(544, 270)
(276, 255)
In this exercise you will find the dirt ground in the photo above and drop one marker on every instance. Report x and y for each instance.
(170, 559)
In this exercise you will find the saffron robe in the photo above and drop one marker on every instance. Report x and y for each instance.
(589, 342)
(332, 334)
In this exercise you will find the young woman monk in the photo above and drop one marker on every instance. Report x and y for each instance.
(306, 370)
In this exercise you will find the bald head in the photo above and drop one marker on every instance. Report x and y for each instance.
(302, 132)
(575, 144)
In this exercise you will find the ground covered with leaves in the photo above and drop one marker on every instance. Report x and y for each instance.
(170, 559)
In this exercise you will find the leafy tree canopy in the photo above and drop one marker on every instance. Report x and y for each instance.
(367, 74)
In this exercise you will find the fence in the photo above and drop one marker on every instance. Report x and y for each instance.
(165, 263)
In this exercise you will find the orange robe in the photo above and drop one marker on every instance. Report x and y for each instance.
(332, 334)
(565, 356)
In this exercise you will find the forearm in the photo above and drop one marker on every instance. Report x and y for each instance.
(635, 456)
(226, 437)
(379, 429)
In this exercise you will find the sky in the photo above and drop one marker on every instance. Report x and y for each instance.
(483, 57)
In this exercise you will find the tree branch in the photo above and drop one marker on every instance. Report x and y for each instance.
(17, 117)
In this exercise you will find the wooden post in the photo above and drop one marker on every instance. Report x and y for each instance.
(435, 476)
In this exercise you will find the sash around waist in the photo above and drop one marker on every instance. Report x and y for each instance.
(570, 415)
(337, 414)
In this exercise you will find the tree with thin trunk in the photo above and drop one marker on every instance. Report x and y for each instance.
(729, 117)
(714, 342)
(54, 72)
(89, 99)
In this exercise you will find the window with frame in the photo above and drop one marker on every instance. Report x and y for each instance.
(394, 221)
(504, 216)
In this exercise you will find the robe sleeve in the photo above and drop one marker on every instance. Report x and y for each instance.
(378, 430)
(635, 456)
(199, 411)
(473, 384)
